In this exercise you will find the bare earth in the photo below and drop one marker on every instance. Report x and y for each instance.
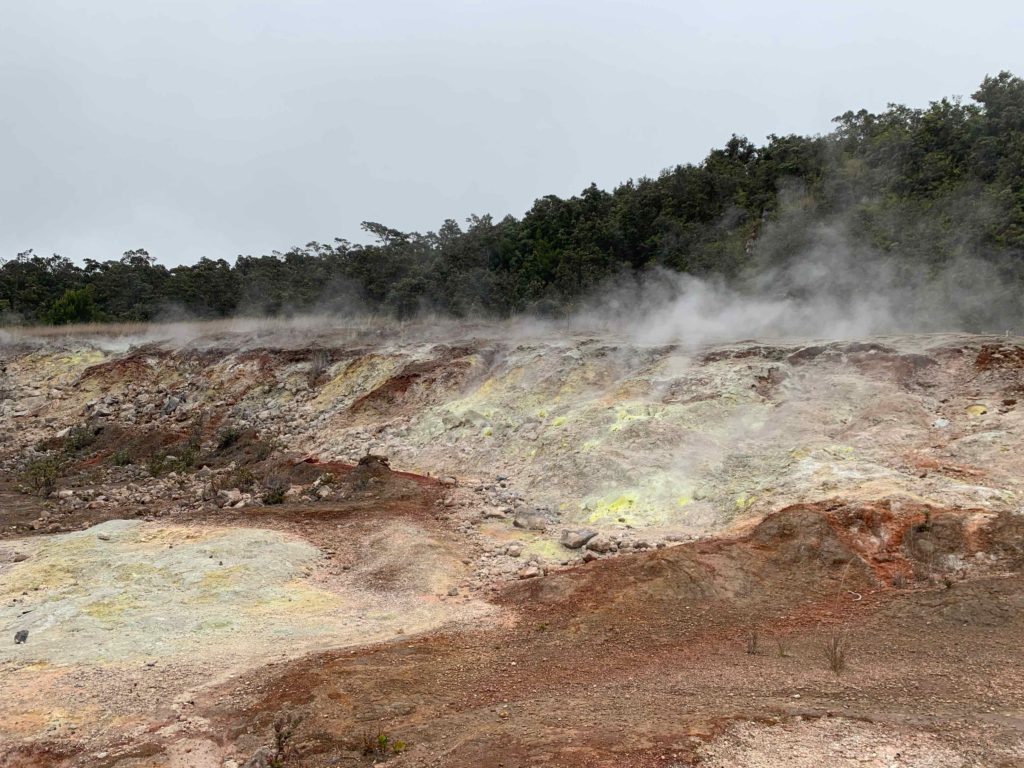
(223, 545)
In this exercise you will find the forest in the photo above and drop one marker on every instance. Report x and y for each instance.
(918, 187)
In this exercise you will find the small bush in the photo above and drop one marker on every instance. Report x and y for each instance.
(120, 458)
(382, 745)
(782, 646)
(274, 490)
(228, 437)
(264, 449)
(835, 652)
(78, 438)
(40, 475)
(158, 463)
(277, 755)
(187, 457)
(243, 479)
(284, 730)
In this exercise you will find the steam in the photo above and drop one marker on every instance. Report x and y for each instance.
(804, 280)
(831, 289)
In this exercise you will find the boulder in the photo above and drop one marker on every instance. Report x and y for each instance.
(531, 572)
(228, 497)
(601, 544)
(576, 538)
(530, 521)
(263, 758)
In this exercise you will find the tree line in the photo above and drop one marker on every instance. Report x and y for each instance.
(921, 186)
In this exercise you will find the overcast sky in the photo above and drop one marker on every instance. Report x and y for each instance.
(223, 127)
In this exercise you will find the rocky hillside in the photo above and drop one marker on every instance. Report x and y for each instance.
(204, 504)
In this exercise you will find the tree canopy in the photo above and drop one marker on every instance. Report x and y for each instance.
(922, 186)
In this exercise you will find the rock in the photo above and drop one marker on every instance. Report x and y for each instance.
(20, 636)
(20, 557)
(589, 557)
(170, 405)
(453, 592)
(601, 544)
(514, 550)
(530, 572)
(574, 539)
(940, 423)
(263, 758)
(448, 481)
(103, 536)
(530, 521)
(228, 497)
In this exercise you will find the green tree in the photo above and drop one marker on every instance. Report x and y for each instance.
(77, 305)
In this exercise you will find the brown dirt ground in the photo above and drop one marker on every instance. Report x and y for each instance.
(638, 660)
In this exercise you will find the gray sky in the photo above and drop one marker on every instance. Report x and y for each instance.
(218, 127)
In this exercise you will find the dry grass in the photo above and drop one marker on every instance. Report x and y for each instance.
(782, 646)
(752, 642)
(186, 329)
(836, 648)
(319, 364)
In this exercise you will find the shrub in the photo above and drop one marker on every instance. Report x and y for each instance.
(158, 463)
(284, 730)
(382, 745)
(78, 438)
(243, 479)
(120, 458)
(40, 475)
(228, 437)
(277, 755)
(274, 490)
(264, 449)
(187, 457)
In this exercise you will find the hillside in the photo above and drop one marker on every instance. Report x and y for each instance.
(507, 544)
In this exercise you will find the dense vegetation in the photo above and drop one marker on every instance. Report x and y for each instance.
(918, 187)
